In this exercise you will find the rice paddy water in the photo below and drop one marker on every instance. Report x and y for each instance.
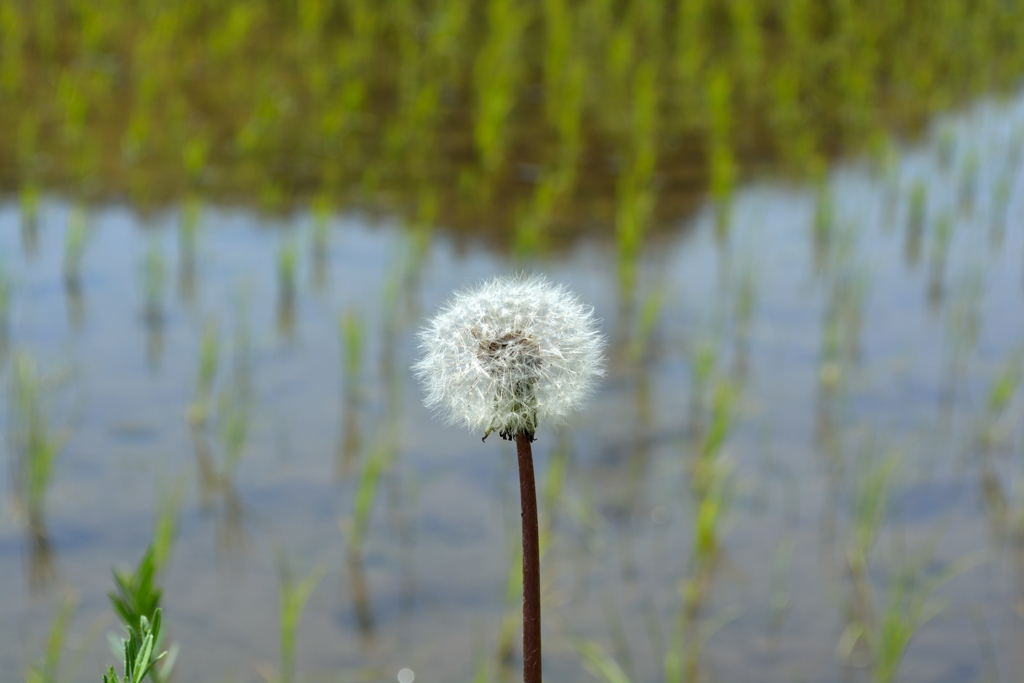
(800, 224)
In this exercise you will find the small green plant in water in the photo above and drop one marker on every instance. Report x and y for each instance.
(292, 599)
(47, 670)
(74, 246)
(5, 308)
(352, 332)
(206, 375)
(915, 222)
(650, 313)
(154, 282)
(35, 446)
(287, 263)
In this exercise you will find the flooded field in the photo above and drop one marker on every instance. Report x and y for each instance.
(799, 223)
(803, 464)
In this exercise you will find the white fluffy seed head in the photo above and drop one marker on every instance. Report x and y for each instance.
(510, 354)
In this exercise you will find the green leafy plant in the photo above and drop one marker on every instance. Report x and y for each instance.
(34, 443)
(74, 246)
(293, 597)
(47, 670)
(138, 647)
(136, 601)
(154, 281)
(137, 596)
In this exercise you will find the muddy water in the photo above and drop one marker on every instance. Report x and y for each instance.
(839, 330)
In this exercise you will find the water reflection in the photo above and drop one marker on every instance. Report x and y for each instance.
(41, 569)
(75, 303)
(839, 326)
(188, 244)
(319, 256)
(915, 224)
(30, 235)
(287, 266)
(350, 441)
(34, 450)
(6, 292)
(153, 271)
(362, 609)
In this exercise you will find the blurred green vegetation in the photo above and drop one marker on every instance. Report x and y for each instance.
(532, 118)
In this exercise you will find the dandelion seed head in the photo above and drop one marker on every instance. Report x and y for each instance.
(510, 354)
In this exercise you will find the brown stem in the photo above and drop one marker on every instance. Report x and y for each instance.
(531, 562)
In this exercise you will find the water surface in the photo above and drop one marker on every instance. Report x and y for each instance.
(835, 327)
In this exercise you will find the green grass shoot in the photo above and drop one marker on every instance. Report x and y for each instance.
(292, 598)
(35, 444)
(74, 244)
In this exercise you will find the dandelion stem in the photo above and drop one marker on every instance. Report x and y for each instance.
(531, 561)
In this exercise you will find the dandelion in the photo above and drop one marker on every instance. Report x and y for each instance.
(508, 356)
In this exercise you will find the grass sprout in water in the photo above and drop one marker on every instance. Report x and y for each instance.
(507, 356)
(34, 445)
(48, 668)
(154, 281)
(74, 247)
(293, 596)
(287, 265)
(5, 309)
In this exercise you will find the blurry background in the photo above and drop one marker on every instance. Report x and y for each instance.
(222, 222)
